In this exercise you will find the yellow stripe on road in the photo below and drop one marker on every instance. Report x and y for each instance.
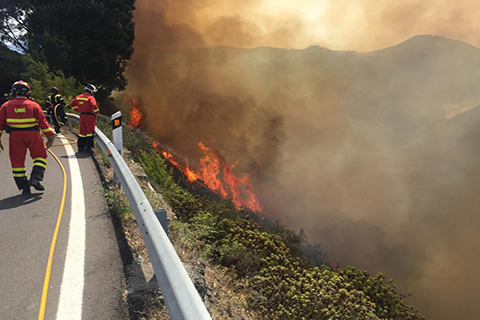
(46, 283)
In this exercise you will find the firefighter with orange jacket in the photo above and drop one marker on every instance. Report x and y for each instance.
(87, 106)
(23, 119)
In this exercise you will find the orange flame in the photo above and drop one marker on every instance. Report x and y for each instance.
(218, 176)
(191, 175)
(135, 118)
(169, 157)
(210, 170)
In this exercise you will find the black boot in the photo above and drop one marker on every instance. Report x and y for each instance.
(36, 177)
(26, 190)
(37, 185)
(82, 141)
(90, 143)
(22, 184)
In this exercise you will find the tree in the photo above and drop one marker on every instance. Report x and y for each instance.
(90, 40)
(13, 26)
(11, 66)
(41, 80)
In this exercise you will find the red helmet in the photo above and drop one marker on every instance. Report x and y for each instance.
(21, 88)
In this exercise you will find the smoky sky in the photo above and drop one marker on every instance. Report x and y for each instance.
(368, 152)
(361, 25)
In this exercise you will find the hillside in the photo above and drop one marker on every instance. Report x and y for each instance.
(241, 268)
(350, 146)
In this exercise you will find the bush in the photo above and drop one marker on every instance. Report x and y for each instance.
(389, 303)
(41, 80)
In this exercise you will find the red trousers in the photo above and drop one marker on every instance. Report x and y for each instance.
(87, 128)
(87, 125)
(20, 142)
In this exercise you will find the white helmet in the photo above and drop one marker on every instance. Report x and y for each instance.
(90, 88)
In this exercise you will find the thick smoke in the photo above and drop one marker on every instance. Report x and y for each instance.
(366, 25)
(353, 148)
(361, 25)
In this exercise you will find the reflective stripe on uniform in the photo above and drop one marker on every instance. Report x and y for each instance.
(59, 98)
(84, 99)
(38, 164)
(85, 135)
(41, 162)
(96, 110)
(23, 125)
(47, 130)
(1, 131)
(40, 159)
(19, 172)
(21, 120)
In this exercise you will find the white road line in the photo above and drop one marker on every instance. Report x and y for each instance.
(71, 292)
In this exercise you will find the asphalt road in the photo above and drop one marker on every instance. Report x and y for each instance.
(87, 278)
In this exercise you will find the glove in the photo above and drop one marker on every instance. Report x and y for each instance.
(1, 145)
(50, 141)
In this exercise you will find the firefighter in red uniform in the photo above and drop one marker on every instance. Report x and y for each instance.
(23, 119)
(87, 106)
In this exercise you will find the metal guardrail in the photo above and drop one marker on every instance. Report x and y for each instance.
(181, 297)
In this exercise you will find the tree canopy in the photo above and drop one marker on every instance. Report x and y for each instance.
(90, 40)
(11, 66)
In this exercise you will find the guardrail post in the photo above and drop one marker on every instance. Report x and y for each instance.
(117, 136)
(117, 131)
(162, 217)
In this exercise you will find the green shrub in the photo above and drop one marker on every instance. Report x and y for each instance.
(156, 169)
(291, 292)
(121, 209)
(41, 80)
(136, 141)
(389, 303)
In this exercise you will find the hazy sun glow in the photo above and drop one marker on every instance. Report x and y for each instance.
(360, 25)
(310, 12)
